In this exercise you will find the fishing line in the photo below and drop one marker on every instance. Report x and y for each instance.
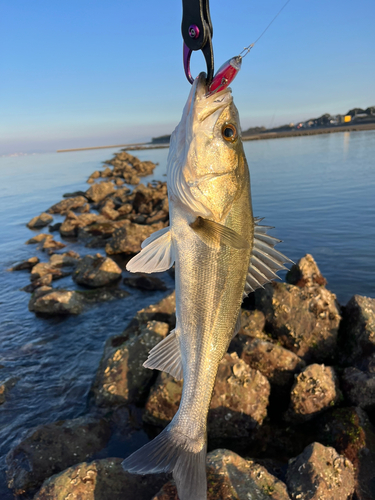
(249, 47)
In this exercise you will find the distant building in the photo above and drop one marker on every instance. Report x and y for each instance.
(163, 139)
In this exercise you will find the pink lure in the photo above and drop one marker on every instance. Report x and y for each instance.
(225, 75)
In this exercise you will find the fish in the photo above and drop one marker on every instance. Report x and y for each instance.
(221, 254)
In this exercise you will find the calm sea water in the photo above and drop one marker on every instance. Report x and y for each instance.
(318, 192)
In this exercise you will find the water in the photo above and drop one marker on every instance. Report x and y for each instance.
(317, 191)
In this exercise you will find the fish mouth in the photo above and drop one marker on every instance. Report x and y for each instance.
(206, 104)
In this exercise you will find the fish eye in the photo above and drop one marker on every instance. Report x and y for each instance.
(229, 132)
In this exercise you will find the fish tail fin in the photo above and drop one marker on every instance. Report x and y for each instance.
(174, 452)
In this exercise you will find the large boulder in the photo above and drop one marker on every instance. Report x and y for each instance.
(320, 473)
(305, 273)
(239, 401)
(77, 203)
(357, 329)
(121, 378)
(97, 192)
(231, 477)
(43, 268)
(100, 480)
(305, 320)
(315, 390)
(56, 302)
(51, 448)
(96, 271)
(41, 220)
(128, 238)
(359, 387)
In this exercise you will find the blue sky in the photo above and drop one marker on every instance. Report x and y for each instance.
(94, 72)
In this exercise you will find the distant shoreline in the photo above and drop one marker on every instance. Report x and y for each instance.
(253, 137)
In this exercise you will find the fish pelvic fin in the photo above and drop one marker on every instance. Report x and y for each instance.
(173, 452)
(214, 234)
(166, 356)
(265, 260)
(157, 254)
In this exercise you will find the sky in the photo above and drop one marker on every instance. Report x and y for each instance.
(83, 73)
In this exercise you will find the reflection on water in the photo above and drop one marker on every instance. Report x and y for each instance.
(317, 191)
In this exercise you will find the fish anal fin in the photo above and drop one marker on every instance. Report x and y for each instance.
(214, 234)
(157, 254)
(166, 356)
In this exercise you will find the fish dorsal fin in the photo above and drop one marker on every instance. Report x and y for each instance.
(265, 260)
(157, 254)
(166, 356)
(214, 234)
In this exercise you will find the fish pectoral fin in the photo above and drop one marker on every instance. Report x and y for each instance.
(157, 254)
(265, 260)
(166, 357)
(214, 234)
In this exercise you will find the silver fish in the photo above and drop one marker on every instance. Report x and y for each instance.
(221, 254)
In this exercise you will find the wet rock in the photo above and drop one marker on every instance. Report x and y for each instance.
(145, 282)
(51, 448)
(51, 245)
(103, 294)
(57, 302)
(350, 432)
(276, 363)
(107, 172)
(5, 387)
(119, 182)
(100, 480)
(96, 271)
(130, 167)
(305, 273)
(164, 311)
(357, 329)
(54, 227)
(121, 378)
(74, 203)
(252, 326)
(93, 176)
(305, 320)
(128, 238)
(64, 259)
(25, 265)
(43, 281)
(108, 210)
(98, 192)
(320, 473)
(41, 220)
(238, 405)
(315, 390)
(38, 238)
(70, 226)
(74, 194)
(359, 387)
(231, 477)
(43, 268)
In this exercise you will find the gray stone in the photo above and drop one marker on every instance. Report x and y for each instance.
(128, 238)
(38, 238)
(26, 264)
(315, 390)
(57, 302)
(305, 273)
(41, 220)
(320, 473)
(97, 192)
(77, 202)
(66, 259)
(51, 448)
(43, 268)
(359, 387)
(145, 282)
(96, 271)
(73, 222)
(121, 378)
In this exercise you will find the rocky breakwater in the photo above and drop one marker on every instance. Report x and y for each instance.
(291, 415)
(109, 217)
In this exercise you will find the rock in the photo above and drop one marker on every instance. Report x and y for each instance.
(100, 480)
(54, 227)
(96, 271)
(51, 244)
(107, 172)
(5, 387)
(320, 473)
(74, 194)
(43, 281)
(161, 311)
(350, 432)
(41, 220)
(26, 264)
(239, 401)
(121, 378)
(305, 320)
(252, 326)
(305, 273)
(93, 176)
(103, 294)
(70, 226)
(98, 192)
(315, 390)
(74, 203)
(57, 302)
(357, 329)
(119, 182)
(108, 210)
(128, 238)
(49, 449)
(38, 238)
(64, 259)
(276, 363)
(145, 282)
(359, 387)
(230, 477)
(43, 268)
